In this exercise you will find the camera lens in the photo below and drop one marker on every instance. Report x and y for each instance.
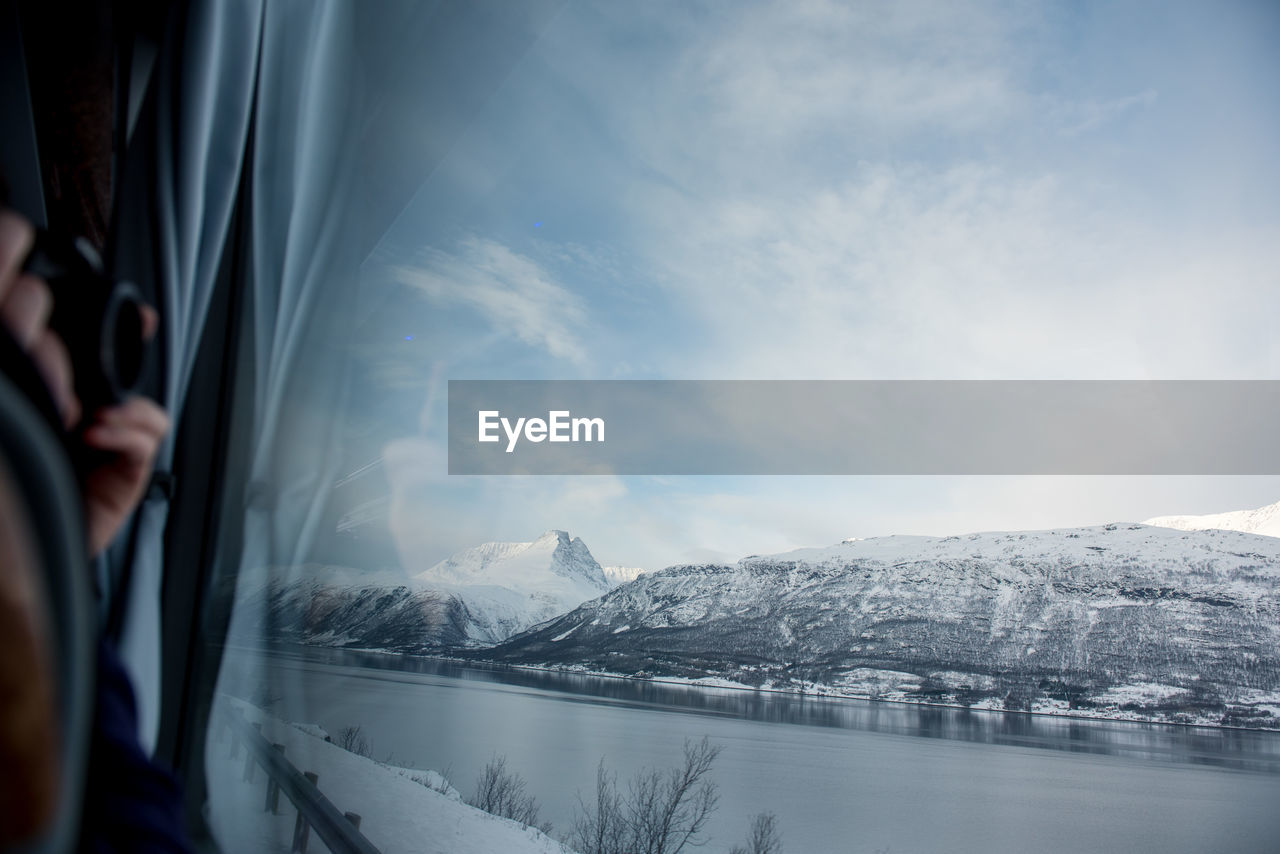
(122, 345)
(100, 320)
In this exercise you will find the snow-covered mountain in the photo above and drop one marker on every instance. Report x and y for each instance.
(622, 574)
(508, 587)
(1109, 615)
(1264, 520)
(479, 596)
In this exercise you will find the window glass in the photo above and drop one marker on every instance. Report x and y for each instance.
(790, 191)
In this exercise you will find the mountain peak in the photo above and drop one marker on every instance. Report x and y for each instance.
(553, 534)
(544, 565)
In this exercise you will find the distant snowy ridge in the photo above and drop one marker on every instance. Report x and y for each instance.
(481, 595)
(1264, 520)
(1160, 620)
(622, 574)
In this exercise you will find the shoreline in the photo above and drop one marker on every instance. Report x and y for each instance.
(827, 692)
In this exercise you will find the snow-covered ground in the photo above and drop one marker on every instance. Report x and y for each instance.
(401, 809)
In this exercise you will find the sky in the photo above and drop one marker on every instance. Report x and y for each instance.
(820, 190)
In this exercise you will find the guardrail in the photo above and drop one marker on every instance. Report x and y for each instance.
(337, 830)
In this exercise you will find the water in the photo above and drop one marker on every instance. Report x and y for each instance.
(841, 775)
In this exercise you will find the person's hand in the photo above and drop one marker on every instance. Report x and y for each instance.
(130, 432)
(25, 306)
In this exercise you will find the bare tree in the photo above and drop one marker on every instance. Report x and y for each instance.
(663, 812)
(501, 792)
(352, 738)
(601, 829)
(668, 810)
(763, 838)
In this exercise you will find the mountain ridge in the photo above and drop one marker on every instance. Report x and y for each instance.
(1263, 520)
(1173, 622)
(480, 595)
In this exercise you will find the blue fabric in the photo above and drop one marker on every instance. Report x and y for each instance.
(176, 220)
(131, 804)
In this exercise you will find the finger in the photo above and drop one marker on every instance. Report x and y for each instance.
(150, 321)
(26, 308)
(16, 237)
(132, 444)
(138, 413)
(54, 364)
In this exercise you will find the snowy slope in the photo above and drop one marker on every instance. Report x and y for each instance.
(399, 809)
(508, 587)
(1005, 616)
(622, 574)
(1264, 520)
(479, 596)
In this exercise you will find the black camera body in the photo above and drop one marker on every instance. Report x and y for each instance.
(99, 319)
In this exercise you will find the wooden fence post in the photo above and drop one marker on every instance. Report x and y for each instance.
(234, 750)
(248, 759)
(301, 829)
(272, 802)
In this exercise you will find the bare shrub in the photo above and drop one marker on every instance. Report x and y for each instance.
(763, 838)
(502, 793)
(663, 812)
(601, 828)
(352, 738)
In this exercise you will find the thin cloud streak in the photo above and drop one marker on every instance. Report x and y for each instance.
(514, 293)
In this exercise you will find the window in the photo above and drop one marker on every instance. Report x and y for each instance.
(825, 191)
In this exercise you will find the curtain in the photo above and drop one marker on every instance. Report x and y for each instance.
(305, 271)
(269, 87)
(176, 196)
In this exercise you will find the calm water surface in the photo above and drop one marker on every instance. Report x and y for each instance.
(841, 775)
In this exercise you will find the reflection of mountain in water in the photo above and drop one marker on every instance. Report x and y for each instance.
(1256, 751)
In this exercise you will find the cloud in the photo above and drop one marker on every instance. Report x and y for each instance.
(968, 270)
(902, 190)
(865, 190)
(514, 293)
(1078, 117)
(802, 67)
(434, 515)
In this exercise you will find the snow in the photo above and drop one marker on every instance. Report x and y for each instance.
(508, 587)
(1264, 520)
(564, 635)
(1142, 693)
(1107, 607)
(553, 562)
(401, 809)
(618, 575)
(481, 595)
(1077, 545)
(313, 730)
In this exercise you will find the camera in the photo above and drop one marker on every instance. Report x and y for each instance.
(99, 319)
